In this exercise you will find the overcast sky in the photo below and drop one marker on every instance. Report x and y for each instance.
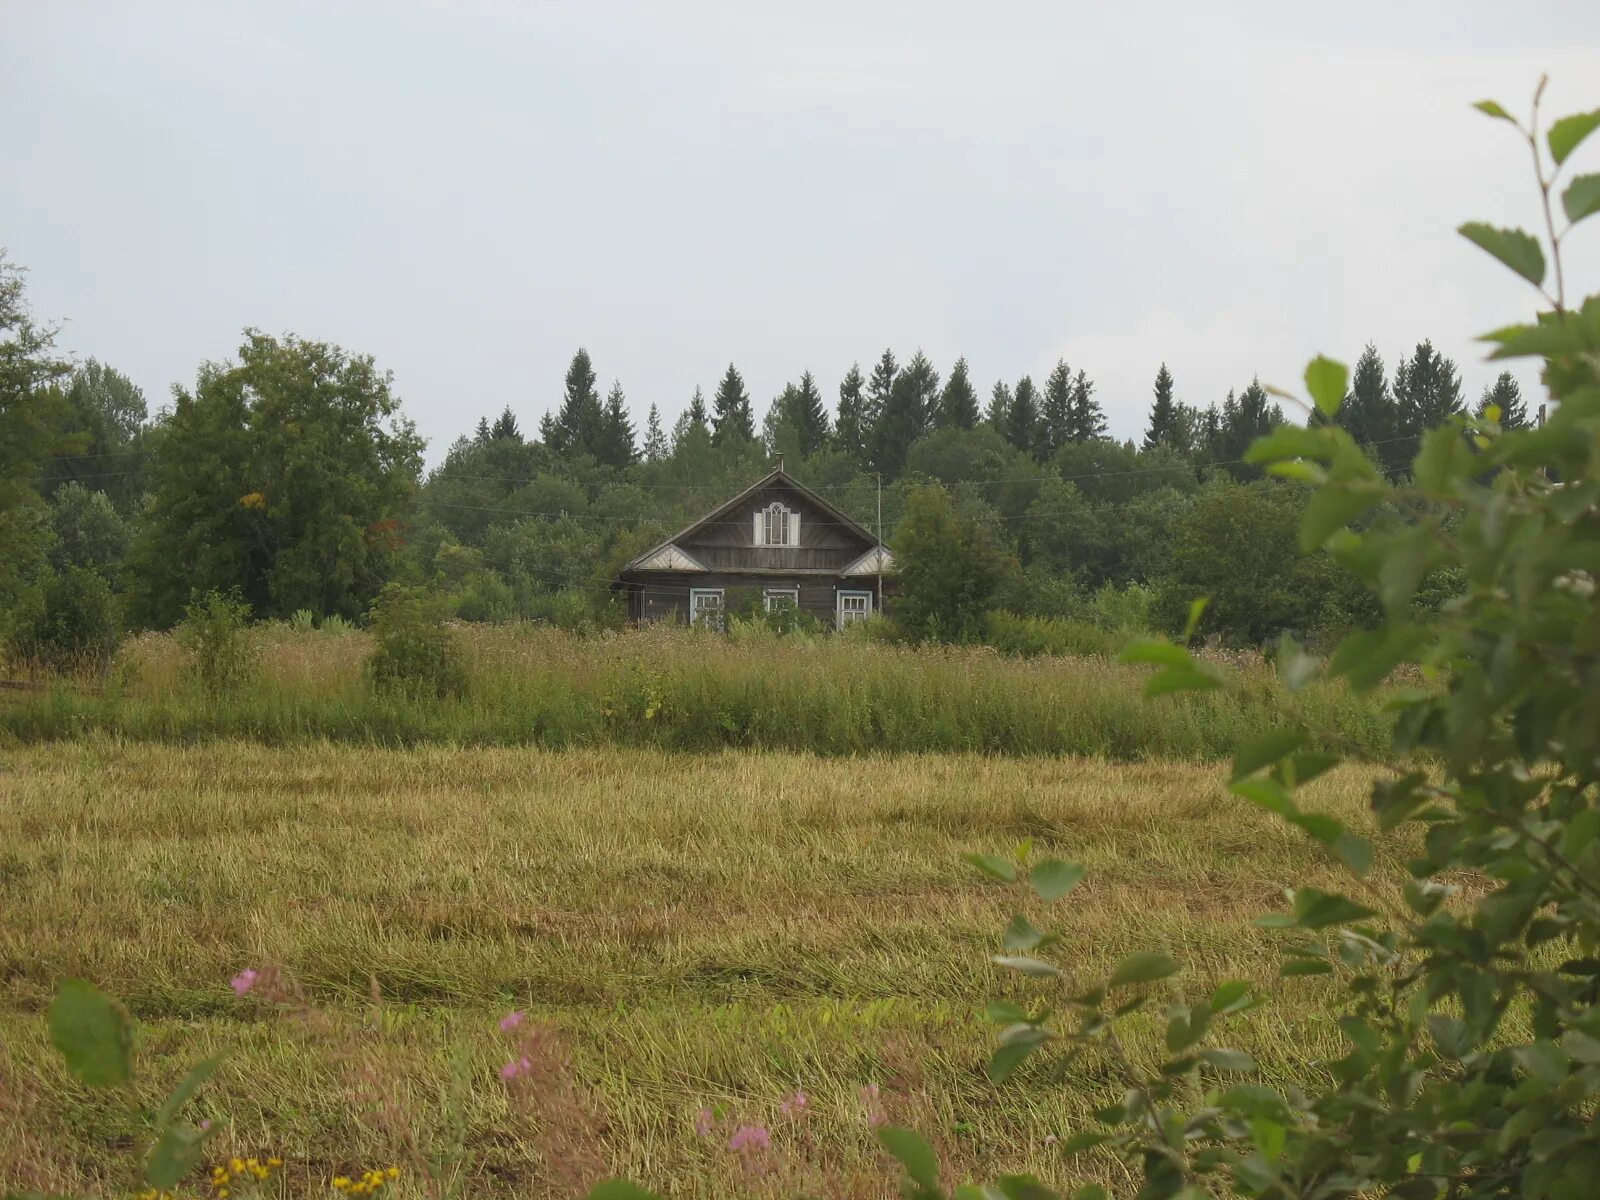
(469, 191)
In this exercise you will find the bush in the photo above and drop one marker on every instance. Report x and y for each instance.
(1030, 636)
(71, 623)
(222, 655)
(414, 654)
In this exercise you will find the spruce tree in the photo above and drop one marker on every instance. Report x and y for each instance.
(879, 385)
(505, 427)
(1022, 417)
(1505, 395)
(483, 433)
(1055, 414)
(810, 415)
(697, 410)
(1369, 412)
(1427, 390)
(655, 441)
(998, 414)
(958, 403)
(578, 426)
(1163, 429)
(849, 429)
(904, 416)
(616, 447)
(1087, 420)
(732, 420)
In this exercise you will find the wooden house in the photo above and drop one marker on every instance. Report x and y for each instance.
(778, 539)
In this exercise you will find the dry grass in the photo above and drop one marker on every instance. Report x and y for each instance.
(684, 930)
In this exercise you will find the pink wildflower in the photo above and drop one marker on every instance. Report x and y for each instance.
(243, 981)
(747, 1138)
(515, 1068)
(510, 1022)
(704, 1122)
(794, 1105)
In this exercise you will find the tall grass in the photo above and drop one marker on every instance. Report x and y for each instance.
(686, 690)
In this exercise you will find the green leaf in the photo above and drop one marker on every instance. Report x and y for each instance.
(1582, 197)
(1444, 460)
(619, 1189)
(1006, 1058)
(1004, 1012)
(1567, 134)
(1021, 935)
(1146, 966)
(1228, 1060)
(1197, 608)
(1155, 650)
(1232, 995)
(1518, 250)
(1305, 966)
(1295, 667)
(1269, 794)
(1291, 441)
(93, 1033)
(173, 1156)
(1354, 851)
(1264, 750)
(1028, 966)
(1024, 1187)
(912, 1153)
(1196, 677)
(993, 865)
(1333, 507)
(1053, 879)
(1326, 380)
(1316, 909)
(1079, 1142)
(1494, 109)
(185, 1090)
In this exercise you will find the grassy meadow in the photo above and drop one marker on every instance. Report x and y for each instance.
(684, 931)
(679, 689)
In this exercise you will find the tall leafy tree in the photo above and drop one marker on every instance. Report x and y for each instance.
(731, 418)
(578, 426)
(1164, 427)
(1087, 419)
(655, 441)
(998, 414)
(616, 445)
(958, 403)
(1505, 395)
(102, 422)
(1022, 417)
(1427, 390)
(1055, 413)
(949, 568)
(288, 475)
(850, 428)
(29, 424)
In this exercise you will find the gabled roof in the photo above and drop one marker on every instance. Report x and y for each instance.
(777, 476)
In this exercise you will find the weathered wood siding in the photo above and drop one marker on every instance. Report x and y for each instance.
(729, 542)
(664, 596)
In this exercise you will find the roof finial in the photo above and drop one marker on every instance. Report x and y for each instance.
(780, 460)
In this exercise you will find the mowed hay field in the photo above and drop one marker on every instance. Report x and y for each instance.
(684, 931)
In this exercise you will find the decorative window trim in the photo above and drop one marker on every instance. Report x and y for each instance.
(768, 595)
(711, 614)
(840, 617)
(777, 525)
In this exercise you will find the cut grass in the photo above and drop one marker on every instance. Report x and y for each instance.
(694, 930)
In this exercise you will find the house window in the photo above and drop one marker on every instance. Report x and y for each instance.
(778, 599)
(705, 607)
(779, 526)
(853, 607)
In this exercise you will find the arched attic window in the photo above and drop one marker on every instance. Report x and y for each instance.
(777, 525)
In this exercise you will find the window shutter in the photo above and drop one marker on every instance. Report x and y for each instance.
(759, 540)
(794, 528)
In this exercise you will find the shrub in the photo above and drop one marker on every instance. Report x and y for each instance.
(1030, 636)
(71, 624)
(222, 655)
(414, 654)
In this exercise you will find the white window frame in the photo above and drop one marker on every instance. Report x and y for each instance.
(839, 621)
(697, 616)
(792, 594)
(785, 518)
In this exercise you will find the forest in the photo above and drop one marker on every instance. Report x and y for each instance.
(289, 475)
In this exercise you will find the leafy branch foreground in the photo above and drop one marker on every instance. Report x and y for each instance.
(1434, 1098)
